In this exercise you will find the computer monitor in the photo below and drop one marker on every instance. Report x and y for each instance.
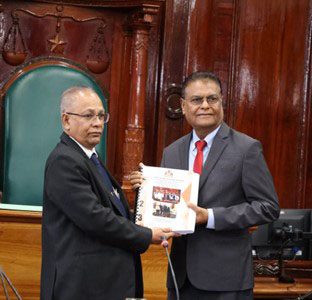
(287, 233)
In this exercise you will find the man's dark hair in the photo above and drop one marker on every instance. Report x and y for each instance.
(200, 76)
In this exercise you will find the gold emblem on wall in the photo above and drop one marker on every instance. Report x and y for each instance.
(57, 44)
(14, 49)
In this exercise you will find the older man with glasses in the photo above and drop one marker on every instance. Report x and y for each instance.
(90, 247)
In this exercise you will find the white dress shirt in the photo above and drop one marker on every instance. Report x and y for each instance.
(192, 154)
(87, 151)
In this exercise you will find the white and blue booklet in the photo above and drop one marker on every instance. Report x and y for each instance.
(163, 196)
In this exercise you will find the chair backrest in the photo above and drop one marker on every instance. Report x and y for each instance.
(32, 128)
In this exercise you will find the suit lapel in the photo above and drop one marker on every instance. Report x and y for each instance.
(184, 152)
(70, 142)
(95, 173)
(219, 144)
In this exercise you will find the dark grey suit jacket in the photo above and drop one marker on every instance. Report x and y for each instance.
(89, 251)
(237, 185)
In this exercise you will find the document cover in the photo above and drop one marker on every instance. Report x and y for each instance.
(163, 196)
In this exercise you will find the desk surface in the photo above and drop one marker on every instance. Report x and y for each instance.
(270, 288)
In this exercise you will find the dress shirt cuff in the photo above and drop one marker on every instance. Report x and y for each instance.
(211, 220)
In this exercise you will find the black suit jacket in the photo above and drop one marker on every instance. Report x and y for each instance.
(237, 185)
(89, 251)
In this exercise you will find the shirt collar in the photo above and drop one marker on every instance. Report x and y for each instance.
(87, 151)
(209, 138)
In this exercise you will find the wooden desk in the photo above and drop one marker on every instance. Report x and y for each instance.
(154, 263)
(20, 257)
(20, 252)
(270, 288)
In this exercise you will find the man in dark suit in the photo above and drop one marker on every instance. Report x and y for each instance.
(236, 192)
(90, 247)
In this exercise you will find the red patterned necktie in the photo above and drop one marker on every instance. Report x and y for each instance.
(198, 162)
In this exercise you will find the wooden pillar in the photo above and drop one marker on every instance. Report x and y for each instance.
(133, 149)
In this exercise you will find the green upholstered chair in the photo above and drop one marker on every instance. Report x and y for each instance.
(32, 128)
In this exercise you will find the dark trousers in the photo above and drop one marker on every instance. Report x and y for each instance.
(189, 292)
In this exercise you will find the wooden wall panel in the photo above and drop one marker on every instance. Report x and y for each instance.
(209, 40)
(151, 104)
(261, 51)
(197, 37)
(269, 93)
(308, 90)
(121, 84)
(172, 70)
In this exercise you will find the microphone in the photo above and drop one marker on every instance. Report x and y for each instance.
(165, 244)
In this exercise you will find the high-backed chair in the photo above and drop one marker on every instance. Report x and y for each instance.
(32, 126)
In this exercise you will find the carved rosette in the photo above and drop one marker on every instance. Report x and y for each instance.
(139, 24)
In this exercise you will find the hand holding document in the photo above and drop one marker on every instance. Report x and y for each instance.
(136, 178)
(161, 234)
(163, 199)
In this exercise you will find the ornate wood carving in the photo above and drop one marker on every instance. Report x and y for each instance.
(139, 23)
(14, 49)
(293, 268)
(1, 21)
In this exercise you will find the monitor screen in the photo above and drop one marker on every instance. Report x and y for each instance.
(286, 233)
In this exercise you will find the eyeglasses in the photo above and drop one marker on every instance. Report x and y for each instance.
(211, 100)
(103, 117)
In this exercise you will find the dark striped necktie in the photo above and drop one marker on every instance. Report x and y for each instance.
(109, 185)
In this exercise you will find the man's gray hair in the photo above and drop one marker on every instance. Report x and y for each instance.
(71, 95)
